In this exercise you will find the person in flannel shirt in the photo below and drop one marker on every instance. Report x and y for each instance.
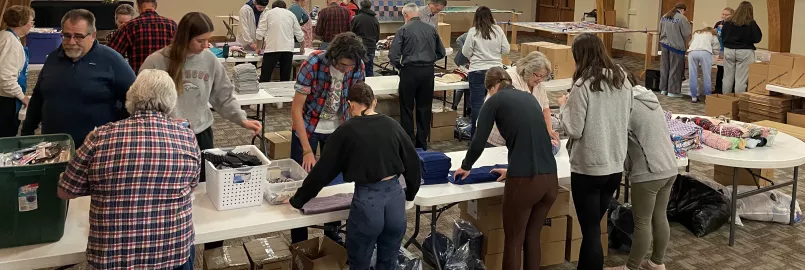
(320, 106)
(144, 35)
(141, 215)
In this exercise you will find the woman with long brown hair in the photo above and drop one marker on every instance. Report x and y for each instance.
(674, 33)
(200, 79)
(486, 43)
(739, 33)
(595, 116)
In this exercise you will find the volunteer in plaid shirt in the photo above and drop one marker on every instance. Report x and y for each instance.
(333, 20)
(140, 172)
(144, 35)
(320, 106)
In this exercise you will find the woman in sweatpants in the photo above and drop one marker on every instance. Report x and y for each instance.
(703, 48)
(371, 150)
(595, 116)
(674, 34)
(739, 33)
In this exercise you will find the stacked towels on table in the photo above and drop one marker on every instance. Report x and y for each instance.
(478, 175)
(245, 79)
(685, 136)
(727, 136)
(435, 167)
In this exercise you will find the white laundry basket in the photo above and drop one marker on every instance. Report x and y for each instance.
(277, 193)
(236, 188)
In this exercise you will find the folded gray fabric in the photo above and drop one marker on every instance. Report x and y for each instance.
(245, 79)
(319, 205)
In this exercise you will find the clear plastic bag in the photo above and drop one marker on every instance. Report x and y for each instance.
(464, 259)
(285, 176)
(773, 206)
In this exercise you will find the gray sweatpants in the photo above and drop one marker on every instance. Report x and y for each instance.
(672, 71)
(736, 70)
(649, 201)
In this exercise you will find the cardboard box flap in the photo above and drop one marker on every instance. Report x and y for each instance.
(760, 68)
(279, 136)
(329, 248)
(226, 257)
(318, 253)
(327, 263)
(308, 248)
(268, 250)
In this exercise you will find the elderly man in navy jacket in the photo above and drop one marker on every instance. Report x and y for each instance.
(82, 85)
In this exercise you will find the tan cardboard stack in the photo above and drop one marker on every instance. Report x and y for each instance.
(443, 122)
(574, 237)
(756, 107)
(560, 56)
(388, 105)
(271, 253)
(723, 175)
(487, 216)
(796, 118)
(227, 258)
(787, 70)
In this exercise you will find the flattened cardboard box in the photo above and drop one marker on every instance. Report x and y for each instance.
(748, 116)
(553, 230)
(271, 253)
(226, 258)
(779, 101)
(754, 106)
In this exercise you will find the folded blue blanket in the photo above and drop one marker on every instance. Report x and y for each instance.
(435, 167)
(478, 175)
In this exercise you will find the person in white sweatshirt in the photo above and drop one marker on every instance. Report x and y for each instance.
(250, 15)
(13, 67)
(704, 46)
(277, 33)
(486, 43)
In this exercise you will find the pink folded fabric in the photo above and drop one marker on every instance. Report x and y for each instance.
(716, 141)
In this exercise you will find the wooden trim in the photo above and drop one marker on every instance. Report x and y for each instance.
(781, 22)
(634, 54)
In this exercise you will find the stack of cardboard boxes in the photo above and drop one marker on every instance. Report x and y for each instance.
(756, 107)
(560, 56)
(272, 253)
(723, 175)
(442, 123)
(487, 216)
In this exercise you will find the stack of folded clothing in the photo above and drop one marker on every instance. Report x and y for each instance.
(435, 166)
(245, 79)
(319, 205)
(685, 136)
(741, 135)
(478, 175)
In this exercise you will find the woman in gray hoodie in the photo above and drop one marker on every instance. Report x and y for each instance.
(674, 34)
(651, 168)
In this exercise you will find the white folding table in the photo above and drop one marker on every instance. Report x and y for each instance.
(797, 92)
(258, 58)
(260, 98)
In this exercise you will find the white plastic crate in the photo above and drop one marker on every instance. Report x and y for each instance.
(236, 188)
(277, 193)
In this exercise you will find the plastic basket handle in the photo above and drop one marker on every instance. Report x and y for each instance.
(29, 173)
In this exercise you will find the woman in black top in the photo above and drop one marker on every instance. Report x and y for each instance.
(371, 150)
(739, 34)
(532, 184)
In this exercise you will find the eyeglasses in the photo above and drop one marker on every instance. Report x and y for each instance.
(77, 37)
(346, 65)
(541, 77)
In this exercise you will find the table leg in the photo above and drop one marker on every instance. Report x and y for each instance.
(444, 100)
(733, 205)
(263, 132)
(626, 190)
(513, 42)
(794, 195)
(434, 217)
(416, 227)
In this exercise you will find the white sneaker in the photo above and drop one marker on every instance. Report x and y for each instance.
(664, 92)
(622, 267)
(694, 100)
(649, 265)
(674, 95)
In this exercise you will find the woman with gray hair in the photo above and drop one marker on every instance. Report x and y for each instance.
(527, 75)
(154, 90)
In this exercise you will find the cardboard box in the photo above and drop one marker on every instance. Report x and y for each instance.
(487, 214)
(751, 116)
(388, 105)
(318, 254)
(796, 118)
(561, 59)
(574, 228)
(445, 32)
(552, 254)
(440, 134)
(561, 206)
(721, 104)
(783, 101)
(723, 175)
(271, 253)
(758, 75)
(226, 258)
(526, 48)
(443, 116)
(573, 248)
(797, 132)
(787, 70)
(279, 144)
(553, 230)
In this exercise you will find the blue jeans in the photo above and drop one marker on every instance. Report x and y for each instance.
(370, 64)
(477, 95)
(705, 59)
(376, 216)
(315, 139)
(189, 264)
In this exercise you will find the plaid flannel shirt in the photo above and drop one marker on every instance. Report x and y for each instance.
(140, 172)
(314, 81)
(143, 36)
(333, 20)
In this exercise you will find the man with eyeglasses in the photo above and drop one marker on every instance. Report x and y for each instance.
(320, 104)
(82, 84)
(430, 13)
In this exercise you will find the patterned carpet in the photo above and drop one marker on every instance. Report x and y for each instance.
(758, 245)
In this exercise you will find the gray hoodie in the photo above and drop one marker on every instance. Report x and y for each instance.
(597, 123)
(651, 154)
(675, 32)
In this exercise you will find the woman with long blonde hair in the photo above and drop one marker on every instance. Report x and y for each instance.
(740, 33)
(704, 46)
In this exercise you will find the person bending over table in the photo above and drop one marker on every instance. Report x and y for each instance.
(123, 14)
(275, 34)
(14, 70)
(159, 171)
(319, 105)
(651, 169)
(250, 15)
(532, 183)
(595, 116)
(527, 75)
(414, 50)
(486, 43)
(333, 20)
(371, 150)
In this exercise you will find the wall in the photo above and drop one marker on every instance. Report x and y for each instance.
(798, 36)
(175, 9)
(708, 12)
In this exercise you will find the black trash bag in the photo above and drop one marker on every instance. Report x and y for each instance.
(444, 248)
(462, 130)
(463, 122)
(466, 233)
(698, 207)
(464, 259)
(405, 260)
(620, 226)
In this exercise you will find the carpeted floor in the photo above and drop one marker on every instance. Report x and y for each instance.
(758, 245)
